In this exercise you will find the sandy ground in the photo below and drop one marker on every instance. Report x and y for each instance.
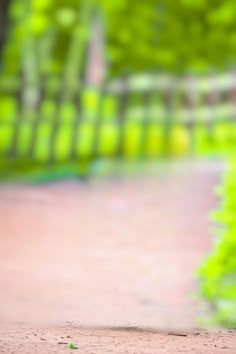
(23, 339)
(108, 253)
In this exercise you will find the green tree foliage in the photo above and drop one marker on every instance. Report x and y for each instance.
(177, 35)
(181, 35)
(219, 270)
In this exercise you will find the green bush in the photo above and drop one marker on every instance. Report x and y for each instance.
(219, 269)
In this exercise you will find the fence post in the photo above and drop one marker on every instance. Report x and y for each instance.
(190, 103)
(98, 120)
(168, 117)
(232, 95)
(212, 100)
(232, 100)
(35, 123)
(146, 119)
(123, 100)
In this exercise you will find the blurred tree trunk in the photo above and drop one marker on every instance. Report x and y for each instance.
(96, 61)
(4, 4)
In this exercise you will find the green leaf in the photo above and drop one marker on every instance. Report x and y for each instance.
(72, 346)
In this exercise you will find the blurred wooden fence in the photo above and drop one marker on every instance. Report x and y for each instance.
(146, 115)
(75, 114)
(189, 102)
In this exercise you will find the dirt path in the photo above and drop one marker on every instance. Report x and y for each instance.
(25, 339)
(107, 253)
